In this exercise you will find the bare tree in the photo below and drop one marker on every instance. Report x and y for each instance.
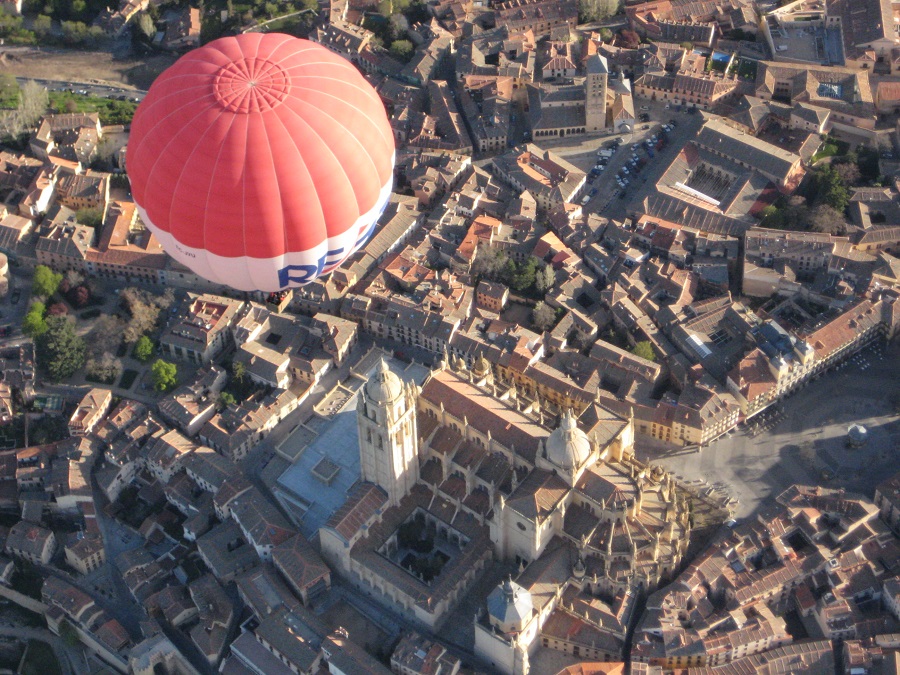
(826, 219)
(849, 172)
(105, 369)
(33, 103)
(10, 123)
(73, 278)
(106, 336)
(545, 279)
(543, 316)
(597, 10)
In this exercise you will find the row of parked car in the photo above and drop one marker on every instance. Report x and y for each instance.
(633, 165)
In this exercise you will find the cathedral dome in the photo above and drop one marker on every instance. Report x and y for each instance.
(568, 447)
(510, 606)
(384, 386)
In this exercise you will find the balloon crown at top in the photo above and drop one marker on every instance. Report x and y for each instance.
(250, 85)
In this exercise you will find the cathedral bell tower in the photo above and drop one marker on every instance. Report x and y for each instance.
(595, 93)
(388, 442)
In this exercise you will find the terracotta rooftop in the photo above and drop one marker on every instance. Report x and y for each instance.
(363, 502)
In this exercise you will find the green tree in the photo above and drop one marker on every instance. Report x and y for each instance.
(225, 400)
(68, 633)
(830, 188)
(507, 273)
(145, 25)
(867, 160)
(42, 26)
(239, 370)
(606, 34)
(92, 217)
(45, 281)
(165, 375)
(524, 277)
(60, 350)
(73, 32)
(34, 325)
(402, 50)
(644, 350)
(543, 316)
(143, 349)
(770, 212)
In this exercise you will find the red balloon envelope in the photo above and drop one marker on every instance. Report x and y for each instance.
(261, 161)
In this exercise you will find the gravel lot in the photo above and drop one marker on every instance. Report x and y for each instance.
(82, 66)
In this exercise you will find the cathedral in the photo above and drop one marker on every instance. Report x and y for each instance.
(462, 471)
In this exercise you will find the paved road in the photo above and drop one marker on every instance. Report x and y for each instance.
(116, 540)
(65, 655)
(92, 88)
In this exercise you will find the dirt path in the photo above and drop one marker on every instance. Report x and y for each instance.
(82, 66)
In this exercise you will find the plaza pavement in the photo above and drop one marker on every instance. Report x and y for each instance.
(808, 444)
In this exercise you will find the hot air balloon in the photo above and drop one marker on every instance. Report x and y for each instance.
(261, 161)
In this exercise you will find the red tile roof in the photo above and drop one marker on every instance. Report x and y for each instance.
(363, 502)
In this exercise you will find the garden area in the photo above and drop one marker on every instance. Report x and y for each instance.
(27, 581)
(128, 378)
(9, 91)
(421, 551)
(111, 111)
(820, 203)
(41, 430)
(530, 278)
(746, 69)
(831, 148)
(239, 387)
(40, 660)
